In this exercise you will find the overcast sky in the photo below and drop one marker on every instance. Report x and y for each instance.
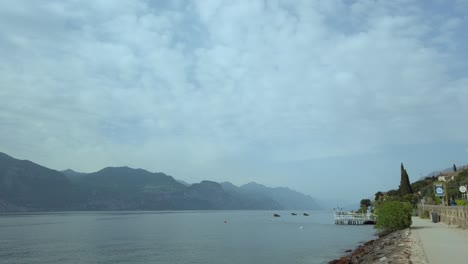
(320, 96)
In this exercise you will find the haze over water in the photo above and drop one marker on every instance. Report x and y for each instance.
(176, 237)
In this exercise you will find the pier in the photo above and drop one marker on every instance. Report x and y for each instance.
(350, 218)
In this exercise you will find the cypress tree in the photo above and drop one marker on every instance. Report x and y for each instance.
(454, 168)
(408, 181)
(405, 185)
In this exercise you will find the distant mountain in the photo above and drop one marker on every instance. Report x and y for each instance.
(211, 195)
(124, 188)
(287, 198)
(25, 185)
(125, 177)
(230, 187)
(73, 175)
(438, 172)
(251, 199)
(281, 197)
(183, 182)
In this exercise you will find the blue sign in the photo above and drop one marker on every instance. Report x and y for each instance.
(439, 190)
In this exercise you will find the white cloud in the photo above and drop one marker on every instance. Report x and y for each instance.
(210, 81)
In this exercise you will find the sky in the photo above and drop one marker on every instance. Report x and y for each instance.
(325, 97)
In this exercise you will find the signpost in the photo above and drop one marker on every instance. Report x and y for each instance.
(463, 191)
(439, 190)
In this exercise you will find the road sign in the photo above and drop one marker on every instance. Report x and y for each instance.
(439, 190)
(462, 189)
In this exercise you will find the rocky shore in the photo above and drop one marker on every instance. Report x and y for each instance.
(401, 246)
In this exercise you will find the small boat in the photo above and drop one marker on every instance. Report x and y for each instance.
(306, 214)
(276, 215)
(293, 214)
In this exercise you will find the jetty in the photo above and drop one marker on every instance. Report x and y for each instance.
(351, 218)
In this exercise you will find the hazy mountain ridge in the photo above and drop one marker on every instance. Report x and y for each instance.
(442, 171)
(284, 198)
(73, 175)
(262, 200)
(183, 182)
(26, 186)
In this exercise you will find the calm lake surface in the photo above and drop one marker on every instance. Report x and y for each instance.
(176, 237)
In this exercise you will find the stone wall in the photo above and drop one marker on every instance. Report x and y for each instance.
(451, 215)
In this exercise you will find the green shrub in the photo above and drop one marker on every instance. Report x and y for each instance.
(393, 216)
(411, 198)
(461, 202)
(425, 215)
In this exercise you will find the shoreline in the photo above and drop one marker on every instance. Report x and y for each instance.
(403, 246)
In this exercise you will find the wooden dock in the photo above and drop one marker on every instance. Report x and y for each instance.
(350, 218)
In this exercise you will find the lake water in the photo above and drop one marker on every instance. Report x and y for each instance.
(176, 237)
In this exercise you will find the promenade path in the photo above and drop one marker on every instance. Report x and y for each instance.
(441, 243)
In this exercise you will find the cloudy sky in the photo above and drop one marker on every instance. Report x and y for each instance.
(320, 96)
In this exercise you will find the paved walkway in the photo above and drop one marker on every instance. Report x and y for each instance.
(441, 243)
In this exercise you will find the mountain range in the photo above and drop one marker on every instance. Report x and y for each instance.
(27, 186)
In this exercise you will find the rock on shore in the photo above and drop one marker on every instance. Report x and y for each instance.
(398, 247)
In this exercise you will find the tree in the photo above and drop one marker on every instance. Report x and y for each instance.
(405, 186)
(454, 168)
(378, 195)
(393, 193)
(365, 203)
(462, 178)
